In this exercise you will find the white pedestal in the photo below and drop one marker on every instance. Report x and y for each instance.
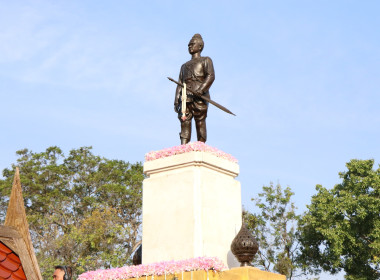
(191, 208)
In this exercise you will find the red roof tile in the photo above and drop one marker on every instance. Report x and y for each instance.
(13, 257)
(4, 248)
(2, 256)
(4, 272)
(10, 265)
(19, 273)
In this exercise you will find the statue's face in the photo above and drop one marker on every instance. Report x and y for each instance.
(194, 46)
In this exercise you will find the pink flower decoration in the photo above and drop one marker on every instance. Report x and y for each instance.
(191, 147)
(160, 268)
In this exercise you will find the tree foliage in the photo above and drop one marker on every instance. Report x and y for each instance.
(83, 210)
(341, 229)
(274, 228)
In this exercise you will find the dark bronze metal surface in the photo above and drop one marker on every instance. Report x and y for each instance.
(198, 74)
(244, 246)
(204, 98)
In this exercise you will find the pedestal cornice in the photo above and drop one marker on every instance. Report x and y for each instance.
(190, 159)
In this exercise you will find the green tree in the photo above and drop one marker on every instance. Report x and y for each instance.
(83, 210)
(274, 228)
(341, 229)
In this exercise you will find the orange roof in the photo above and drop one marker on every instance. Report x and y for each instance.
(10, 265)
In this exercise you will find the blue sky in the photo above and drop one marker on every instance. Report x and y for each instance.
(301, 76)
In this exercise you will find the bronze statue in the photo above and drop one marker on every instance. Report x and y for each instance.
(197, 75)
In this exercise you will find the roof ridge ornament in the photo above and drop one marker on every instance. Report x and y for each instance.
(15, 221)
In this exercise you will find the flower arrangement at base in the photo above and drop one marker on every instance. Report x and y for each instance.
(190, 147)
(160, 268)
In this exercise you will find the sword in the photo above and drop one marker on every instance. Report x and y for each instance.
(183, 105)
(203, 97)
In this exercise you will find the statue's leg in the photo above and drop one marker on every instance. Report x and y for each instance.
(201, 130)
(200, 114)
(185, 134)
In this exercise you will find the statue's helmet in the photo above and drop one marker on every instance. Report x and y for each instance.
(199, 38)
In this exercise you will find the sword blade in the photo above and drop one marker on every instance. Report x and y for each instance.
(204, 98)
(217, 105)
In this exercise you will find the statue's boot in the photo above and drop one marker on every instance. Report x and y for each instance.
(201, 139)
(184, 141)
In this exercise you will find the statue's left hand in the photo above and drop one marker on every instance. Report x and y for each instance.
(176, 108)
(198, 92)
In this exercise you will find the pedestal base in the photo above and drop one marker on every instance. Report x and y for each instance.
(191, 208)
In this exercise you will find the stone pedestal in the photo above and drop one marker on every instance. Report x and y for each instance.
(191, 208)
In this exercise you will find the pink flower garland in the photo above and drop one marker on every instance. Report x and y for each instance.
(191, 147)
(160, 268)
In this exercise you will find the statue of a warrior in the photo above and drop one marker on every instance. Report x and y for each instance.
(197, 75)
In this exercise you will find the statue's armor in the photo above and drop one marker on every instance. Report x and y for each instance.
(199, 74)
